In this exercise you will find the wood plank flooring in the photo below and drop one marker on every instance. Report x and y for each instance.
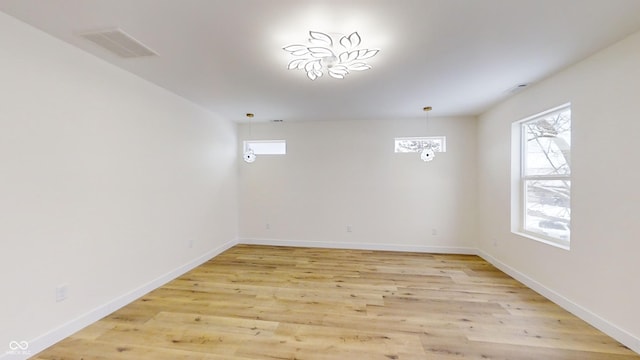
(261, 302)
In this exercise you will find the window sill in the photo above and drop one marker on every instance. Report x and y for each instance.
(535, 237)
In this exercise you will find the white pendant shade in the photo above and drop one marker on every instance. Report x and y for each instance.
(249, 156)
(427, 155)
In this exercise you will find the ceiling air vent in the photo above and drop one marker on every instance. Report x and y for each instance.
(119, 43)
(517, 88)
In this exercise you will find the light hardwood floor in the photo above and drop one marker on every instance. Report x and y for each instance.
(261, 302)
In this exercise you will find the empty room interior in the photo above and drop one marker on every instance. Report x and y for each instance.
(248, 179)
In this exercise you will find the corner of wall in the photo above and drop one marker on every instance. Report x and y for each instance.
(50, 338)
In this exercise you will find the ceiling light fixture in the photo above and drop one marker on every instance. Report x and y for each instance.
(427, 153)
(325, 55)
(249, 156)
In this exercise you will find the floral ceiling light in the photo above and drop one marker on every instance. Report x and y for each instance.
(323, 54)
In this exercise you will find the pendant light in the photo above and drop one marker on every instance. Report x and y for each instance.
(427, 154)
(249, 156)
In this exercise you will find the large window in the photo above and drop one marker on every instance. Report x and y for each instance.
(545, 176)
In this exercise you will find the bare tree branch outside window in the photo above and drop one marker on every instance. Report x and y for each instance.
(546, 172)
(417, 144)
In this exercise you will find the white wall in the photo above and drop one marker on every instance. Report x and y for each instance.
(104, 181)
(346, 173)
(599, 277)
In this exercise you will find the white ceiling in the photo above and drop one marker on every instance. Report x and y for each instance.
(459, 56)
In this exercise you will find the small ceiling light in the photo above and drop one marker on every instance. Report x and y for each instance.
(249, 156)
(325, 55)
(427, 153)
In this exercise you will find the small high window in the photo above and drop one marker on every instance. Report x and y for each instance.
(266, 147)
(417, 144)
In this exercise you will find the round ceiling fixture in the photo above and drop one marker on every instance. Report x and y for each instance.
(427, 154)
(249, 156)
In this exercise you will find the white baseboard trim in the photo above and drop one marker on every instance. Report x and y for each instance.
(596, 321)
(46, 340)
(362, 246)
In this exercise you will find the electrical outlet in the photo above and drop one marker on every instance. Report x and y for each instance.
(434, 232)
(62, 291)
(349, 228)
(267, 226)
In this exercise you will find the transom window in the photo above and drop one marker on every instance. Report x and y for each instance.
(545, 176)
(417, 144)
(266, 147)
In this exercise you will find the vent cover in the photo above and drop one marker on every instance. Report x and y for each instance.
(119, 43)
(517, 88)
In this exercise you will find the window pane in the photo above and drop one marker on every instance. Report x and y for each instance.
(417, 144)
(266, 147)
(547, 144)
(547, 207)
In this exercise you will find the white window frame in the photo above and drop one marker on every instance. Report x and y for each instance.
(280, 147)
(520, 178)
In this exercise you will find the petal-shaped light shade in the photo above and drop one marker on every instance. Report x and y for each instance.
(320, 52)
(355, 40)
(320, 38)
(297, 64)
(296, 50)
(313, 65)
(351, 41)
(358, 66)
(366, 54)
(338, 70)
